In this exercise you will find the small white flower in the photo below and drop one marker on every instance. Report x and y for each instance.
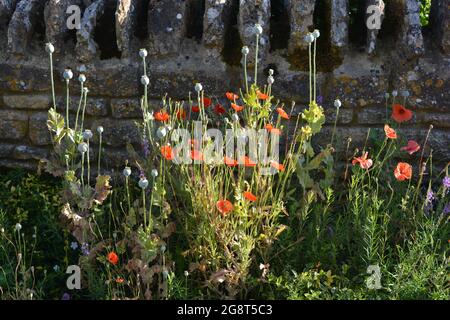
(143, 183)
(161, 132)
(68, 74)
(100, 129)
(49, 47)
(143, 53)
(235, 117)
(145, 80)
(82, 78)
(18, 227)
(87, 134)
(126, 171)
(245, 50)
(154, 173)
(74, 245)
(309, 38)
(258, 29)
(337, 103)
(316, 34)
(198, 87)
(270, 80)
(186, 273)
(83, 147)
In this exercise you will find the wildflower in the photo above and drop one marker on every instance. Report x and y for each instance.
(309, 38)
(154, 173)
(258, 29)
(247, 162)
(236, 107)
(206, 102)
(411, 147)
(18, 227)
(126, 171)
(196, 155)
(87, 134)
(447, 210)
(230, 162)
(245, 50)
(82, 78)
(390, 133)
(261, 95)
(181, 114)
(403, 171)
(277, 165)
(161, 116)
(100, 129)
(167, 152)
(83, 147)
(49, 47)
(65, 296)
(316, 33)
(231, 96)
(143, 183)
(446, 182)
(219, 109)
(120, 280)
(250, 196)
(145, 80)
(282, 113)
(74, 245)
(363, 161)
(224, 207)
(337, 103)
(195, 109)
(143, 53)
(85, 249)
(67, 74)
(198, 87)
(112, 258)
(400, 113)
(430, 197)
(161, 132)
(273, 130)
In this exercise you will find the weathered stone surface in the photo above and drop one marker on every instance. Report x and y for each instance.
(6, 149)
(301, 21)
(14, 164)
(411, 29)
(27, 101)
(13, 124)
(438, 120)
(214, 23)
(56, 21)
(372, 34)
(339, 23)
(126, 108)
(86, 46)
(252, 12)
(373, 115)
(126, 21)
(23, 152)
(117, 132)
(24, 78)
(166, 26)
(38, 132)
(6, 10)
(440, 19)
(345, 115)
(94, 106)
(21, 26)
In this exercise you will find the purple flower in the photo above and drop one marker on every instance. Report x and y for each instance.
(447, 208)
(85, 249)
(446, 182)
(319, 100)
(65, 296)
(430, 197)
(145, 147)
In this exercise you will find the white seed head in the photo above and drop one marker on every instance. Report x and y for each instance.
(161, 132)
(186, 273)
(83, 147)
(87, 134)
(316, 34)
(271, 72)
(82, 78)
(309, 38)
(270, 80)
(337, 103)
(127, 171)
(143, 183)
(154, 173)
(245, 50)
(68, 74)
(49, 47)
(394, 93)
(198, 87)
(258, 29)
(2, 230)
(18, 227)
(235, 117)
(145, 80)
(143, 53)
(100, 129)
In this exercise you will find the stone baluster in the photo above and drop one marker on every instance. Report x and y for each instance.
(301, 21)
(217, 16)
(440, 23)
(126, 22)
(339, 24)
(411, 29)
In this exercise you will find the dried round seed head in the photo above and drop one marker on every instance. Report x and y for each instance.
(49, 47)
(100, 129)
(68, 74)
(258, 29)
(198, 87)
(87, 134)
(83, 147)
(82, 78)
(154, 173)
(337, 103)
(145, 80)
(309, 38)
(126, 171)
(143, 53)
(316, 34)
(143, 183)
(245, 50)
(270, 80)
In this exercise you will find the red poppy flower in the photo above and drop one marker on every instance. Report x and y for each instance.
(194, 143)
(236, 107)
(206, 102)
(273, 130)
(167, 152)
(231, 96)
(219, 109)
(113, 258)
(250, 196)
(282, 113)
(277, 165)
(261, 95)
(224, 207)
(196, 155)
(181, 114)
(120, 280)
(400, 113)
(230, 162)
(363, 161)
(403, 171)
(390, 133)
(247, 162)
(161, 116)
(195, 109)
(411, 147)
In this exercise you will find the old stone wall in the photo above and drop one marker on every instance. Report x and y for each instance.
(193, 41)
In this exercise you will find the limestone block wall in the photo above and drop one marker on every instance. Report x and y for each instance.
(193, 41)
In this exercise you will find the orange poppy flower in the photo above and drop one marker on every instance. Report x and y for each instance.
(282, 113)
(363, 161)
(231, 96)
(196, 155)
(195, 109)
(247, 162)
(390, 133)
(219, 109)
(194, 143)
(167, 152)
(277, 165)
(181, 114)
(403, 171)
(411, 147)
(273, 130)
(261, 95)
(236, 107)
(113, 258)
(161, 116)
(230, 162)
(206, 102)
(224, 207)
(120, 280)
(400, 113)
(250, 196)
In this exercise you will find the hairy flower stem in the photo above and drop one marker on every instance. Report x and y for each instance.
(67, 104)
(52, 81)
(256, 59)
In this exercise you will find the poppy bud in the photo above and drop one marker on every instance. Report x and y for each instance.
(85, 90)
(143, 53)
(49, 47)
(258, 29)
(309, 38)
(143, 183)
(100, 129)
(337, 103)
(87, 134)
(145, 80)
(154, 173)
(82, 147)
(394, 93)
(316, 34)
(18, 227)
(245, 50)
(68, 74)
(270, 80)
(198, 87)
(82, 78)
(126, 172)
(235, 117)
